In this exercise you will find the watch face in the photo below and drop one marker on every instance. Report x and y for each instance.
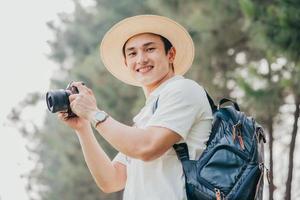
(100, 116)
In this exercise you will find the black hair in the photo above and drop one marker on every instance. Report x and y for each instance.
(167, 44)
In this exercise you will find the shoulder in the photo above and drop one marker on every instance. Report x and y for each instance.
(184, 88)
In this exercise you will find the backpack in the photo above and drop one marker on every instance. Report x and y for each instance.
(232, 165)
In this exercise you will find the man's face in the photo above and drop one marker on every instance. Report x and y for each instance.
(147, 60)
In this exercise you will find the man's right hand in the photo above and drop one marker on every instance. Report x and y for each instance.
(77, 123)
(109, 176)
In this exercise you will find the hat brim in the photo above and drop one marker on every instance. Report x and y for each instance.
(113, 41)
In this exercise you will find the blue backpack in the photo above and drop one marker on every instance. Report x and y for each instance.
(232, 165)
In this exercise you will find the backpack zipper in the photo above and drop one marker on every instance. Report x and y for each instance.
(237, 132)
(241, 141)
(212, 188)
(223, 196)
(218, 194)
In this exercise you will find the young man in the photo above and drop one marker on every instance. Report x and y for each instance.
(152, 52)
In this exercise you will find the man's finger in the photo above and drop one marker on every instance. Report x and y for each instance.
(80, 86)
(72, 97)
(62, 115)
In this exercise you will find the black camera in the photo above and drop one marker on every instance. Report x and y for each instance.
(58, 100)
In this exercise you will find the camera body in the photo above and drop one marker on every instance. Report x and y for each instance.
(58, 100)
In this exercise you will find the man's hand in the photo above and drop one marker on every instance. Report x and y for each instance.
(76, 123)
(84, 103)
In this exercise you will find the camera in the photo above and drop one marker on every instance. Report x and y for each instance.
(58, 100)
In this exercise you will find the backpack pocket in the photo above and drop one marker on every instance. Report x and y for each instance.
(221, 168)
(247, 182)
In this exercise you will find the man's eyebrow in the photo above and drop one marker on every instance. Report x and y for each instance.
(130, 49)
(144, 45)
(148, 44)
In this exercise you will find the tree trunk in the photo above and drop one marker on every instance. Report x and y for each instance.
(271, 139)
(292, 149)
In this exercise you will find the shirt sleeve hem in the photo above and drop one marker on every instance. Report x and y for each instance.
(168, 126)
(121, 159)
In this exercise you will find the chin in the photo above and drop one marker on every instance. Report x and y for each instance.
(146, 81)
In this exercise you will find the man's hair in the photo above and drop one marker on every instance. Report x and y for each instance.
(167, 44)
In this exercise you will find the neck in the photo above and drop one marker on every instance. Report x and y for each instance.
(150, 88)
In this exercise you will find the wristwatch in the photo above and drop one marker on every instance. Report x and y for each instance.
(99, 117)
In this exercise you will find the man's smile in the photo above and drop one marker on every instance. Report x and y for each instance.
(145, 69)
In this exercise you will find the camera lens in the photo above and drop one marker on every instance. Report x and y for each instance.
(57, 100)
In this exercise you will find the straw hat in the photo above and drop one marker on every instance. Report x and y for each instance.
(114, 40)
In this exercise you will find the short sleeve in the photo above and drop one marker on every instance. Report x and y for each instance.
(121, 158)
(178, 106)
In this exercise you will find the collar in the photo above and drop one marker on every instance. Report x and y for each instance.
(155, 93)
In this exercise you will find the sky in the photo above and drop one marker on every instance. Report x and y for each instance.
(24, 68)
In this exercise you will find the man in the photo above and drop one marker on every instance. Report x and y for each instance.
(152, 52)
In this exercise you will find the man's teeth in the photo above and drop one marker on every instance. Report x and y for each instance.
(144, 69)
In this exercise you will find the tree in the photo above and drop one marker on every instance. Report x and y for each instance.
(279, 22)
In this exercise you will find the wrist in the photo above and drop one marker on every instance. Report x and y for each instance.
(92, 114)
(98, 117)
(83, 130)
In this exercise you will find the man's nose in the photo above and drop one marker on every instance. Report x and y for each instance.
(142, 58)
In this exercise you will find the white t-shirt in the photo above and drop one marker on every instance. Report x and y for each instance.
(182, 107)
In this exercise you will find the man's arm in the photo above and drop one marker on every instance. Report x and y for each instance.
(144, 144)
(109, 176)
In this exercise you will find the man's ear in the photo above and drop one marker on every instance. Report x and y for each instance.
(125, 62)
(171, 54)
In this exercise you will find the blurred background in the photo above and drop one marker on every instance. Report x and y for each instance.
(247, 50)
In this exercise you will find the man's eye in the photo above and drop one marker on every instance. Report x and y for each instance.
(150, 49)
(131, 54)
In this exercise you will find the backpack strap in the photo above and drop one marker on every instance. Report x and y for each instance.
(182, 151)
(221, 102)
(155, 105)
(210, 100)
(211, 103)
(225, 100)
(260, 183)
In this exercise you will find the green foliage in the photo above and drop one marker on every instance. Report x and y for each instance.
(247, 8)
(261, 101)
(275, 31)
